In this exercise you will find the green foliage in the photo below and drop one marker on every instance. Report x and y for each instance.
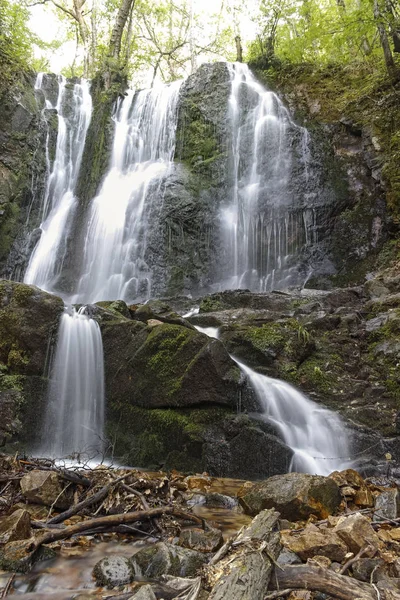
(15, 40)
(322, 32)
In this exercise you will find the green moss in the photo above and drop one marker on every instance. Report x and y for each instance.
(196, 140)
(169, 438)
(211, 304)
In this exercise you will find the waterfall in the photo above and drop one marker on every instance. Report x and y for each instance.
(262, 231)
(75, 407)
(316, 435)
(114, 265)
(74, 109)
(75, 410)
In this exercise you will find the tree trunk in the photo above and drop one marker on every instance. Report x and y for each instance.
(384, 38)
(318, 579)
(118, 29)
(245, 568)
(239, 49)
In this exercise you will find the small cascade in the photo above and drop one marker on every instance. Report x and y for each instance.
(75, 411)
(264, 225)
(74, 109)
(316, 435)
(114, 264)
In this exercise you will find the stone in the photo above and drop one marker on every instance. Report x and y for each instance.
(356, 532)
(145, 593)
(215, 500)
(353, 478)
(362, 568)
(364, 498)
(113, 571)
(348, 491)
(198, 482)
(312, 542)
(185, 367)
(395, 534)
(28, 318)
(43, 487)
(201, 541)
(287, 557)
(16, 526)
(387, 505)
(167, 559)
(295, 495)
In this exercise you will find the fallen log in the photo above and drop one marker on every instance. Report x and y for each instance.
(245, 567)
(318, 579)
(111, 521)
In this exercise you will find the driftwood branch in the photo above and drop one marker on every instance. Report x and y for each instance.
(111, 521)
(100, 495)
(318, 579)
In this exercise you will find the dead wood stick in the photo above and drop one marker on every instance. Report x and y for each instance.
(277, 594)
(318, 579)
(65, 473)
(111, 521)
(361, 553)
(8, 586)
(100, 495)
(132, 490)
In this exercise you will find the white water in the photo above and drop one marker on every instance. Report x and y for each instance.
(59, 201)
(75, 411)
(262, 233)
(114, 264)
(316, 435)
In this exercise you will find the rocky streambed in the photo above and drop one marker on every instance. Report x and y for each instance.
(119, 533)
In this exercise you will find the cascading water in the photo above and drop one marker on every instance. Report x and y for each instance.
(114, 265)
(75, 409)
(74, 109)
(262, 231)
(316, 435)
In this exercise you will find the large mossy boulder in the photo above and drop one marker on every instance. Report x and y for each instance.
(28, 319)
(166, 366)
(296, 496)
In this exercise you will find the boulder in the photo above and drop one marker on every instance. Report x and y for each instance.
(167, 559)
(200, 540)
(287, 557)
(113, 571)
(215, 500)
(43, 487)
(185, 367)
(387, 505)
(145, 593)
(295, 495)
(16, 526)
(28, 319)
(313, 541)
(356, 532)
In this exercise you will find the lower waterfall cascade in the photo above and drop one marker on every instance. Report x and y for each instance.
(315, 434)
(74, 419)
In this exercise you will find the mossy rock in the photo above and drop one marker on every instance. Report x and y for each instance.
(29, 319)
(167, 365)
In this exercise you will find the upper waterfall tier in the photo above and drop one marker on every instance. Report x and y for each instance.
(114, 263)
(74, 110)
(210, 185)
(262, 233)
